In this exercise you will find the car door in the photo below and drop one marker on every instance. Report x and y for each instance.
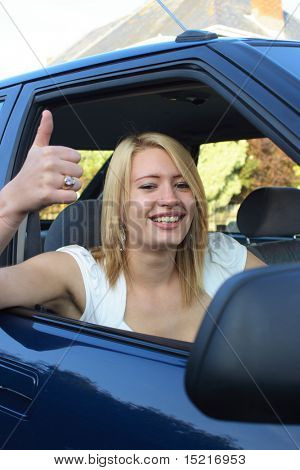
(67, 384)
(85, 387)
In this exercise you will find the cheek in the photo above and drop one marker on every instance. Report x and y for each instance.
(140, 204)
(136, 213)
(190, 205)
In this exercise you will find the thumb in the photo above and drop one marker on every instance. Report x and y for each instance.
(45, 130)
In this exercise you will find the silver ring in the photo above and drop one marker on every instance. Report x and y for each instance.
(69, 182)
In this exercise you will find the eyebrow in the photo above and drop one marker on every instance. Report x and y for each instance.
(156, 176)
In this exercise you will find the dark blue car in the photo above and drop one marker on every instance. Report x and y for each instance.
(65, 384)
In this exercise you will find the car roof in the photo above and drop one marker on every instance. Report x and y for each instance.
(130, 52)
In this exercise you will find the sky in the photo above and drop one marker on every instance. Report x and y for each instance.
(33, 31)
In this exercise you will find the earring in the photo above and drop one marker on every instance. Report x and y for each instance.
(122, 237)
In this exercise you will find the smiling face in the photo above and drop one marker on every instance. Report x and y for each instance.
(161, 205)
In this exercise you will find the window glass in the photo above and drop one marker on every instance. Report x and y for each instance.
(91, 162)
(287, 57)
(1, 104)
(231, 170)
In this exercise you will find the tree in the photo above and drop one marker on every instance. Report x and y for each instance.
(220, 166)
(274, 167)
(231, 170)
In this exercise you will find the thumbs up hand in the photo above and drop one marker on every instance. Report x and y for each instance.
(41, 181)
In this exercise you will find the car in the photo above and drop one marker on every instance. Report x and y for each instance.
(65, 384)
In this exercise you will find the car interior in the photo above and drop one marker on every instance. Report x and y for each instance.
(194, 114)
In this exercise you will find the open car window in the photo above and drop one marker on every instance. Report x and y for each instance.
(231, 170)
(228, 149)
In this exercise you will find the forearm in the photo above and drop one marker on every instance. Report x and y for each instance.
(10, 216)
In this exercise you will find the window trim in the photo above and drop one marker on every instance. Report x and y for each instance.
(140, 340)
(8, 98)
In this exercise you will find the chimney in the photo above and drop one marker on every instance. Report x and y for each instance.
(271, 8)
(270, 13)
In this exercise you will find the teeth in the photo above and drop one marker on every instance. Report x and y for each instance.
(166, 219)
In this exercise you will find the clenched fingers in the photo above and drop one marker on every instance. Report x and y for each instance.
(69, 168)
(65, 196)
(63, 153)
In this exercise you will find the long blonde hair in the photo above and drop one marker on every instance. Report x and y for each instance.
(190, 253)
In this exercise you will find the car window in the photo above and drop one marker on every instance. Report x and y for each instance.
(286, 57)
(91, 162)
(230, 163)
(231, 170)
(1, 104)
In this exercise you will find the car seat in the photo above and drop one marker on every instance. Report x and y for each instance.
(272, 212)
(77, 224)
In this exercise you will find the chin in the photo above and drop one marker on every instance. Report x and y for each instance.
(163, 245)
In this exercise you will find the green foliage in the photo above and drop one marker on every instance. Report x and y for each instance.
(91, 162)
(220, 166)
(296, 169)
(247, 171)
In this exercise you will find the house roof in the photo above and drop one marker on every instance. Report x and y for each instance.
(229, 17)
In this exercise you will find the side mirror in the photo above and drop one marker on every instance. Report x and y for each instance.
(245, 362)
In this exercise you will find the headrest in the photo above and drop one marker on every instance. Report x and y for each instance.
(270, 212)
(78, 223)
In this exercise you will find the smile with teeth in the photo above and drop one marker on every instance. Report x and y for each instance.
(167, 219)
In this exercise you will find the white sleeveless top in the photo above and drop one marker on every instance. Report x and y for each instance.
(105, 306)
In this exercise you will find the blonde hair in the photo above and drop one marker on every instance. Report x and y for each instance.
(190, 253)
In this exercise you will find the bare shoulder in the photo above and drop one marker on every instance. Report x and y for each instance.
(65, 270)
(253, 261)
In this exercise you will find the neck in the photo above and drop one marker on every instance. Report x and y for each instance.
(151, 269)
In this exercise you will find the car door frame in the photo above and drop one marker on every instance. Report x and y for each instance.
(9, 96)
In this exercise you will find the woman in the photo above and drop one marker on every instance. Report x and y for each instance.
(157, 269)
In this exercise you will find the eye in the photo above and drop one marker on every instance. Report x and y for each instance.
(182, 185)
(147, 186)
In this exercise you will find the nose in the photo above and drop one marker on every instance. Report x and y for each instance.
(168, 195)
